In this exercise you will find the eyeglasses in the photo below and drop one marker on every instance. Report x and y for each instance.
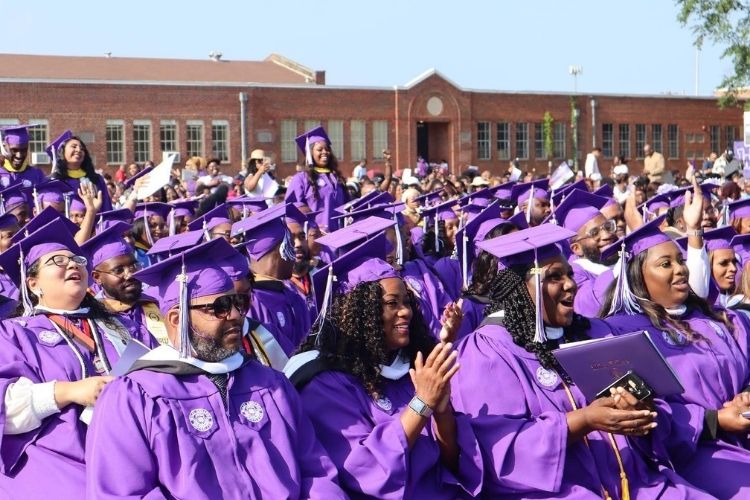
(120, 271)
(218, 234)
(221, 308)
(595, 232)
(65, 260)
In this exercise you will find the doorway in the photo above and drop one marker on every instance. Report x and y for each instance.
(434, 141)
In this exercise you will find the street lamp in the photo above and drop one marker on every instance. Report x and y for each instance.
(575, 70)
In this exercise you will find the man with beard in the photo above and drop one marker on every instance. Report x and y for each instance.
(299, 225)
(196, 418)
(532, 198)
(114, 264)
(276, 303)
(15, 149)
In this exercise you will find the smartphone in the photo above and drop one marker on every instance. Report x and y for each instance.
(632, 383)
(85, 181)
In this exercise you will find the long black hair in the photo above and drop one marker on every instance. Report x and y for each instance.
(333, 166)
(352, 336)
(655, 312)
(60, 169)
(485, 267)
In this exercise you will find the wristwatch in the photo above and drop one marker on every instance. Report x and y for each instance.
(420, 407)
(694, 232)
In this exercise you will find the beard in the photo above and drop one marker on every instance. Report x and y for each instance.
(592, 253)
(209, 349)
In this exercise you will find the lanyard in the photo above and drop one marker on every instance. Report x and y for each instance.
(82, 335)
(88, 336)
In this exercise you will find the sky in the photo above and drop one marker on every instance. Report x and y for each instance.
(626, 46)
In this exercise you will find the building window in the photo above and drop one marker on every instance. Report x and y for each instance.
(640, 139)
(733, 134)
(715, 138)
(220, 140)
(608, 140)
(538, 141)
(288, 146)
(38, 136)
(358, 139)
(168, 135)
(673, 141)
(657, 139)
(379, 138)
(141, 141)
(194, 139)
(311, 124)
(624, 151)
(558, 137)
(483, 141)
(114, 137)
(336, 134)
(503, 140)
(522, 141)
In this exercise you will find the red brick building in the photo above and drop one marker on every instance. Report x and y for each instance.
(130, 109)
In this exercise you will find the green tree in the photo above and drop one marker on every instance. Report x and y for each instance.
(549, 144)
(727, 24)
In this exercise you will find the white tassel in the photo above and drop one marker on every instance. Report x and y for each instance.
(147, 229)
(245, 211)
(2, 205)
(66, 200)
(287, 247)
(528, 206)
(308, 152)
(623, 298)
(172, 223)
(465, 259)
(327, 298)
(724, 221)
(437, 233)
(28, 308)
(183, 323)
(539, 333)
(206, 234)
(100, 225)
(399, 242)
(37, 203)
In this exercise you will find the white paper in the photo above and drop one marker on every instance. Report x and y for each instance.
(270, 186)
(515, 174)
(157, 178)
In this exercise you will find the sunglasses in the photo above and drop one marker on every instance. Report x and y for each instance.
(221, 308)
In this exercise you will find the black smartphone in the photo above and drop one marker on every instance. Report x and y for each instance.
(632, 383)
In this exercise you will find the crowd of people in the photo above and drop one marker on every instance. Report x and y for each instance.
(387, 335)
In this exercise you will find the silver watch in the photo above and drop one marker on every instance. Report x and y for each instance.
(420, 407)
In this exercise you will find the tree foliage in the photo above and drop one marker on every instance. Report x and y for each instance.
(549, 144)
(725, 23)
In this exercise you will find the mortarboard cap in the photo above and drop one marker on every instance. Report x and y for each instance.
(53, 191)
(606, 191)
(306, 141)
(183, 208)
(151, 209)
(172, 245)
(214, 217)
(346, 238)
(13, 196)
(560, 194)
(578, 208)
(107, 244)
(8, 220)
(428, 199)
(46, 216)
(741, 245)
(719, 239)
(53, 148)
(466, 238)
(504, 191)
(236, 266)
(248, 204)
(15, 135)
(106, 219)
(522, 192)
(76, 204)
(263, 231)
(739, 209)
(444, 211)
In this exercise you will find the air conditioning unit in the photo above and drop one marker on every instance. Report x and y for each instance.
(40, 159)
(176, 154)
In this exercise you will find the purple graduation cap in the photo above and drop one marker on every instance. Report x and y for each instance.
(352, 205)
(654, 205)
(443, 211)
(306, 141)
(263, 231)
(46, 216)
(53, 149)
(249, 205)
(558, 196)
(578, 208)
(106, 219)
(295, 216)
(22, 254)
(107, 244)
(429, 199)
(53, 192)
(475, 207)
(344, 239)
(520, 193)
(738, 209)
(76, 204)
(606, 191)
(171, 245)
(504, 193)
(13, 196)
(466, 238)
(152, 209)
(184, 208)
(8, 220)
(214, 217)
(741, 245)
(361, 264)
(130, 181)
(719, 239)
(187, 276)
(16, 135)
(640, 240)
(529, 247)
(236, 266)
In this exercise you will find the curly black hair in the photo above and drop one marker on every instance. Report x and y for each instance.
(508, 293)
(352, 337)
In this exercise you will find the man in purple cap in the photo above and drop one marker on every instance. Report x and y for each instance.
(276, 303)
(15, 149)
(200, 420)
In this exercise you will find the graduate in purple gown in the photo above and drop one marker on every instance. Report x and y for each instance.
(72, 164)
(113, 265)
(532, 198)
(17, 167)
(200, 420)
(54, 361)
(276, 303)
(538, 435)
(9, 294)
(702, 429)
(377, 389)
(321, 184)
(149, 226)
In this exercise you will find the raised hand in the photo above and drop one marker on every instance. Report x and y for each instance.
(431, 377)
(692, 214)
(603, 415)
(451, 321)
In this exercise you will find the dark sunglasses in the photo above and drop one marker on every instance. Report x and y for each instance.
(221, 308)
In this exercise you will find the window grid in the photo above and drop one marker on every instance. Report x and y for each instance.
(673, 141)
(168, 136)
(358, 139)
(336, 134)
(220, 140)
(503, 140)
(194, 139)
(311, 124)
(558, 137)
(141, 142)
(733, 134)
(640, 139)
(624, 129)
(657, 138)
(538, 141)
(288, 146)
(379, 138)
(522, 141)
(483, 141)
(38, 136)
(114, 137)
(608, 140)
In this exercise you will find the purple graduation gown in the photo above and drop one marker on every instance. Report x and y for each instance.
(712, 373)
(366, 441)
(10, 291)
(157, 435)
(429, 291)
(300, 190)
(448, 270)
(47, 462)
(472, 308)
(592, 289)
(279, 307)
(101, 185)
(31, 176)
(520, 423)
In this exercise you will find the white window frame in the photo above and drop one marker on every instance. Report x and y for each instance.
(225, 125)
(189, 125)
(358, 139)
(122, 149)
(288, 144)
(484, 141)
(336, 134)
(522, 141)
(175, 141)
(37, 145)
(379, 138)
(141, 155)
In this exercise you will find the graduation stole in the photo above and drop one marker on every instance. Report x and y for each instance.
(254, 347)
(322, 170)
(141, 246)
(82, 335)
(76, 173)
(624, 485)
(10, 168)
(151, 313)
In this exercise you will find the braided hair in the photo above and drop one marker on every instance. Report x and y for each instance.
(352, 337)
(508, 293)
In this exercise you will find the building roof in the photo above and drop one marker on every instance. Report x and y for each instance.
(275, 69)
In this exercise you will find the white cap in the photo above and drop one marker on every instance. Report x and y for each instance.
(621, 170)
